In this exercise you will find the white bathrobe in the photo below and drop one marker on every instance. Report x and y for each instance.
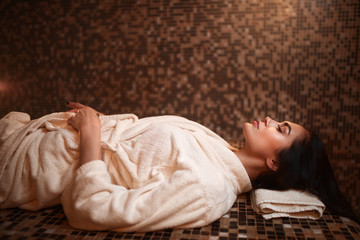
(155, 173)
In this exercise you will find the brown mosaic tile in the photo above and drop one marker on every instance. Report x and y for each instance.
(51, 224)
(217, 62)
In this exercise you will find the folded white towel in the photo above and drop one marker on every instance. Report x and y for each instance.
(290, 203)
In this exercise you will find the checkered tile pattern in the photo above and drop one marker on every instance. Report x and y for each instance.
(239, 223)
(216, 62)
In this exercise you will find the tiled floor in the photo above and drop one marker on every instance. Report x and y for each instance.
(239, 223)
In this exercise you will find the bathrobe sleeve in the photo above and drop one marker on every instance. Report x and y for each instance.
(173, 174)
(92, 202)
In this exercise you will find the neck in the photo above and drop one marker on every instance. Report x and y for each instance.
(253, 165)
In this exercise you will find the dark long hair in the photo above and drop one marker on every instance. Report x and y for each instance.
(305, 166)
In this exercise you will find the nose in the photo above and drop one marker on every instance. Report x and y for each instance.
(269, 122)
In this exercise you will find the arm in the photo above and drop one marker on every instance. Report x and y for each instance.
(88, 125)
(92, 202)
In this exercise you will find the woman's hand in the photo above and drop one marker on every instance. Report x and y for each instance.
(85, 117)
(87, 122)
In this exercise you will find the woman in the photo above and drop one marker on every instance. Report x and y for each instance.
(151, 173)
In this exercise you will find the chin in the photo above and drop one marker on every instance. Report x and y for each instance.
(246, 125)
(246, 128)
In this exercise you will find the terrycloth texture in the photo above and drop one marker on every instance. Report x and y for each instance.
(36, 159)
(290, 203)
(156, 173)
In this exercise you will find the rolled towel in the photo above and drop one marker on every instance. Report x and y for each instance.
(289, 203)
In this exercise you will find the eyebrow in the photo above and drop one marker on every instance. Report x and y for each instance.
(288, 125)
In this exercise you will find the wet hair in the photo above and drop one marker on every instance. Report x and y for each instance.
(305, 166)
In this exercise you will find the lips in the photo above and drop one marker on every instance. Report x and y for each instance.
(256, 124)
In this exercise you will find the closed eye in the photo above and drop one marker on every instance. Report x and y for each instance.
(287, 125)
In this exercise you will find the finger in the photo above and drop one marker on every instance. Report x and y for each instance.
(72, 121)
(75, 110)
(69, 121)
(76, 105)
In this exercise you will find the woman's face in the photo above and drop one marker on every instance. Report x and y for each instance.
(265, 139)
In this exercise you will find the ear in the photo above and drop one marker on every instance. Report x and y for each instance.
(272, 164)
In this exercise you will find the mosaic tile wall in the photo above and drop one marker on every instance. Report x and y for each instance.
(217, 62)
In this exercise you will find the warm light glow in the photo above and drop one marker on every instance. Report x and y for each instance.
(4, 86)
